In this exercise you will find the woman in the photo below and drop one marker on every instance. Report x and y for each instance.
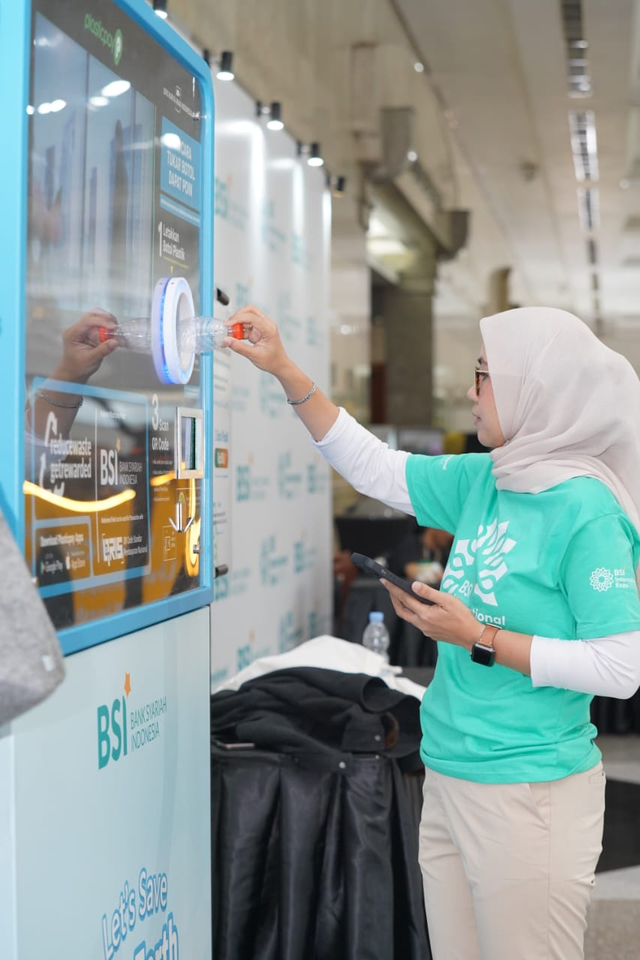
(546, 549)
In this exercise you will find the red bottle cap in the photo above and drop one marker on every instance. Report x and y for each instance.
(104, 333)
(237, 331)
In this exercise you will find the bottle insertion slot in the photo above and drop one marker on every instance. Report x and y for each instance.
(172, 334)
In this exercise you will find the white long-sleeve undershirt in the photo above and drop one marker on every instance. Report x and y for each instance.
(607, 666)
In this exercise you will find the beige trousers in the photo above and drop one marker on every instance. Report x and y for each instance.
(508, 868)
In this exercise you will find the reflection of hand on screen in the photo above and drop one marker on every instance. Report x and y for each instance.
(82, 355)
(82, 350)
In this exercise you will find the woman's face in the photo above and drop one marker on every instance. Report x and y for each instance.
(485, 415)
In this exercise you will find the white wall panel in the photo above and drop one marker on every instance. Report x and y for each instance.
(272, 229)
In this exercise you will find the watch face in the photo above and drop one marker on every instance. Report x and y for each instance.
(480, 653)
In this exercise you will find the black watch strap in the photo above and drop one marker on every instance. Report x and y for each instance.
(482, 650)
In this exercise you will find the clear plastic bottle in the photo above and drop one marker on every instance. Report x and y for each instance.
(376, 635)
(202, 334)
(195, 334)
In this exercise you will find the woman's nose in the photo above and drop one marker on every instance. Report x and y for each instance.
(471, 394)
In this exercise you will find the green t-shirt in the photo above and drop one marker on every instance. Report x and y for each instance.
(558, 564)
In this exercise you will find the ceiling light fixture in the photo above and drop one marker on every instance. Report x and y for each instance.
(338, 186)
(311, 152)
(314, 159)
(225, 70)
(274, 112)
(275, 121)
(160, 9)
(584, 144)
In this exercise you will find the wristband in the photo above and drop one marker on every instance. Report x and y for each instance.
(483, 651)
(56, 403)
(295, 403)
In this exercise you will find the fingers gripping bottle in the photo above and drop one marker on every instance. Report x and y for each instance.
(376, 635)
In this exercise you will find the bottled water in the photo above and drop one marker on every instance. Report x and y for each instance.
(194, 334)
(376, 635)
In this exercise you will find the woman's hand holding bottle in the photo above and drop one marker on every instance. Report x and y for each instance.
(262, 344)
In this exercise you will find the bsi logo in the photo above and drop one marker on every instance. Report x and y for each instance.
(112, 728)
(289, 480)
(273, 565)
(244, 656)
(289, 634)
(272, 401)
(250, 485)
(603, 579)
(123, 728)
(108, 468)
(317, 478)
(303, 556)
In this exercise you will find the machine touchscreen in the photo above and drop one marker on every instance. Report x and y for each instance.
(114, 220)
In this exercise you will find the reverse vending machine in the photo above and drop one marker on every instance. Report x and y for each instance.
(107, 398)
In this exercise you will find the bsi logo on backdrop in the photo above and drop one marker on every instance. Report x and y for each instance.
(304, 556)
(233, 584)
(123, 728)
(289, 633)
(227, 207)
(288, 324)
(274, 565)
(289, 480)
(271, 397)
(315, 335)
(250, 485)
(317, 477)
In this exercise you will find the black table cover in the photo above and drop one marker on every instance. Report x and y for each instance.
(314, 831)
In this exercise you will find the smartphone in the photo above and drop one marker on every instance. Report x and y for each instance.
(376, 570)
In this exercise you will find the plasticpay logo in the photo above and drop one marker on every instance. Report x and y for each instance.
(117, 47)
(115, 42)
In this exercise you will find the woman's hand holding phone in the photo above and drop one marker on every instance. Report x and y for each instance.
(368, 565)
(437, 614)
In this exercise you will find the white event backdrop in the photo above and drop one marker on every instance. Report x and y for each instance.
(272, 491)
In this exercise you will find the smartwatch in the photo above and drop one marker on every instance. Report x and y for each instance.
(482, 650)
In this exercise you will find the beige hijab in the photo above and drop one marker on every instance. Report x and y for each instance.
(568, 406)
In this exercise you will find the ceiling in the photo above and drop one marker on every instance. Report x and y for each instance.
(501, 70)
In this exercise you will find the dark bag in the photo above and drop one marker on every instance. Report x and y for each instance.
(31, 661)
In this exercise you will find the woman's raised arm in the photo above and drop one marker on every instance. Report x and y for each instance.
(263, 347)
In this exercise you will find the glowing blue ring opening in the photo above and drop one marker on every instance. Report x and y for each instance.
(165, 369)
(172, 302)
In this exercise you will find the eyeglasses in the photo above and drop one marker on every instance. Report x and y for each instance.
(479, 377)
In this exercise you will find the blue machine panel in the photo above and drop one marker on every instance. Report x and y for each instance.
(115, 132)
